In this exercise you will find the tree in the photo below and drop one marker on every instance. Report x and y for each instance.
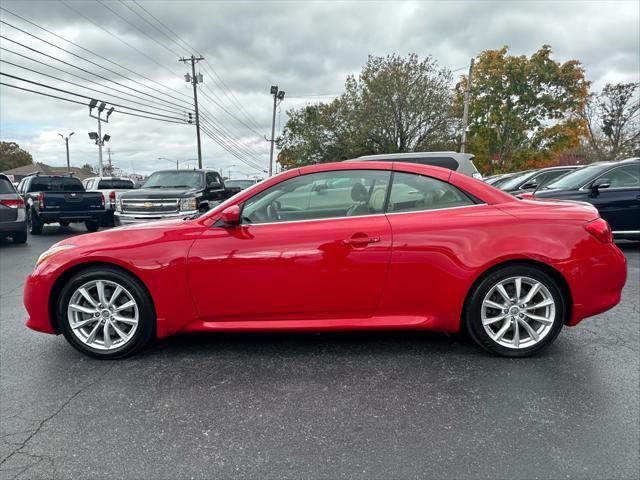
(12, 156)
(395, 105)
(523, 111)
(89, 168)
(612, 118)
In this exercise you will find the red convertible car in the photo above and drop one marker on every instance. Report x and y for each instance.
(345, 246)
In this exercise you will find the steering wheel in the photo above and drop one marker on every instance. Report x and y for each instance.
(273, 210)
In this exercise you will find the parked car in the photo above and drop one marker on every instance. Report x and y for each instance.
(60, 199)
(172, 194)
(111, 188)
(458, 162)
(241, 184)
(496, 182)
(13, 215)
(423, 249)
(535, 179)
(612, 187)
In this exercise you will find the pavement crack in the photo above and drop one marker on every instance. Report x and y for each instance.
(23, 444)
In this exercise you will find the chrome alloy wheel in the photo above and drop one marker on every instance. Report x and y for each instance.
(518, 312)
(103, 314)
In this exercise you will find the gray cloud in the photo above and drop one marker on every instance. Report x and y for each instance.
(308, 48)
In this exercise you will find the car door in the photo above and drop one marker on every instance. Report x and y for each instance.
(619, 204)
(290, 260)
(430, 222)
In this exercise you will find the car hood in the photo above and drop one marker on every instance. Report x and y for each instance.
(150, 193)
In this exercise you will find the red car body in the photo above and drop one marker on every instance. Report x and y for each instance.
(302, 275)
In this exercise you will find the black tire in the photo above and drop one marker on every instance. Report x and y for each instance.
(146, 329)
(19, 237)
(64, 224)
(35, 224)
(472, 316)
(92, 225)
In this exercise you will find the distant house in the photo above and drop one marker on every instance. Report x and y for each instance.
(19, 173)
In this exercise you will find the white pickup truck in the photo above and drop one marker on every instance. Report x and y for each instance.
(111, 188)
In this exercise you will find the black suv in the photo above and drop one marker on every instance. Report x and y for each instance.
(172, 194)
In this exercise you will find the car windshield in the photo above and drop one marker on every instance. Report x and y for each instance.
(174, 179)
(574, 179)
(239, 183)
(514, 182)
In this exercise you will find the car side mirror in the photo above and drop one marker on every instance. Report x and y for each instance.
(529, 185)
(231, 216)
(320, 187)
(601, 182)
(214, 186)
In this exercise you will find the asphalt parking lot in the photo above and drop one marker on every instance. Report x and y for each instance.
(374, 405)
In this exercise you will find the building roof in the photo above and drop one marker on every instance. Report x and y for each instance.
(45, 169)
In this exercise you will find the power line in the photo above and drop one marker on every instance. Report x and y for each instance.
(228, 112)
(239, 146)
(87, 71)
(216, 139)
(80, 85)
(82, 96)
(84, 103)
(97, 54)
(93, 63)
(140, 30)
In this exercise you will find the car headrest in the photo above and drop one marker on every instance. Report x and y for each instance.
(359, 193)
(376, 202)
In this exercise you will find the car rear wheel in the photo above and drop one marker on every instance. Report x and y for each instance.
(515, 311)
(92, 225)
(106, 313)
(34, 223)
(19, 237)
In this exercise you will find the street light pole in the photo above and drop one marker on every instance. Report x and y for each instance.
(99, 139)
(277, 95)
(66, 142)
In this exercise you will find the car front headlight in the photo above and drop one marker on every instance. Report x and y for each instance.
(53, 251)
(188, 204)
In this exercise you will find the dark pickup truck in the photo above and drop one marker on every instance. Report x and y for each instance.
(60, 199)
(172, 194)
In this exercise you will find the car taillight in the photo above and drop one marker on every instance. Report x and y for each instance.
(112, 199)
(102, 199)
(600, 229)
(41, 200)
(12, 203)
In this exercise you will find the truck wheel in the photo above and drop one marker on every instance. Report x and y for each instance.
(35, 224)
(92, 225)
(19, 237)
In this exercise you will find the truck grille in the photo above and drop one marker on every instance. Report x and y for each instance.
(150, 206)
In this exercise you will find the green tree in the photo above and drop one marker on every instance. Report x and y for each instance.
(613, 121)
(396, 104)
(89, 168)
(523, 111)
(12, 156)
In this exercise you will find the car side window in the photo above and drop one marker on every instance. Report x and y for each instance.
(344, 193)
(212, 178)
(627, 176)
(412, 192)
(545, 177)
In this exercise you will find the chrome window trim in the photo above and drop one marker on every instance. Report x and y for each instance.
(360, 216)
(615, 232)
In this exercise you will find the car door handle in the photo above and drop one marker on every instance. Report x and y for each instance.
(360, 241)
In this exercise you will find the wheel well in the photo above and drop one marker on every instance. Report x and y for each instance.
(67, 274)
(549, 270)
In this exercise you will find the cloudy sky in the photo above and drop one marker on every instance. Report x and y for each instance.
(307, 48)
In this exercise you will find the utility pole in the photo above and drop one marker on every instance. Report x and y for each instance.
(99, 139)
(66, 142)
(277, 95)
(465, 114)
(110, 167)
(194, 80)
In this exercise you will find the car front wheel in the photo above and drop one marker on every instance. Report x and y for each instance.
(515, 311)
(106, 313)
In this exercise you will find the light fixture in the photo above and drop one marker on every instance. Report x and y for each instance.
(110, 111)
(274, 89)
(102, 107)
(106, 138)
(92, 104)
(93, 135)
(71, 133)
(280, 94)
